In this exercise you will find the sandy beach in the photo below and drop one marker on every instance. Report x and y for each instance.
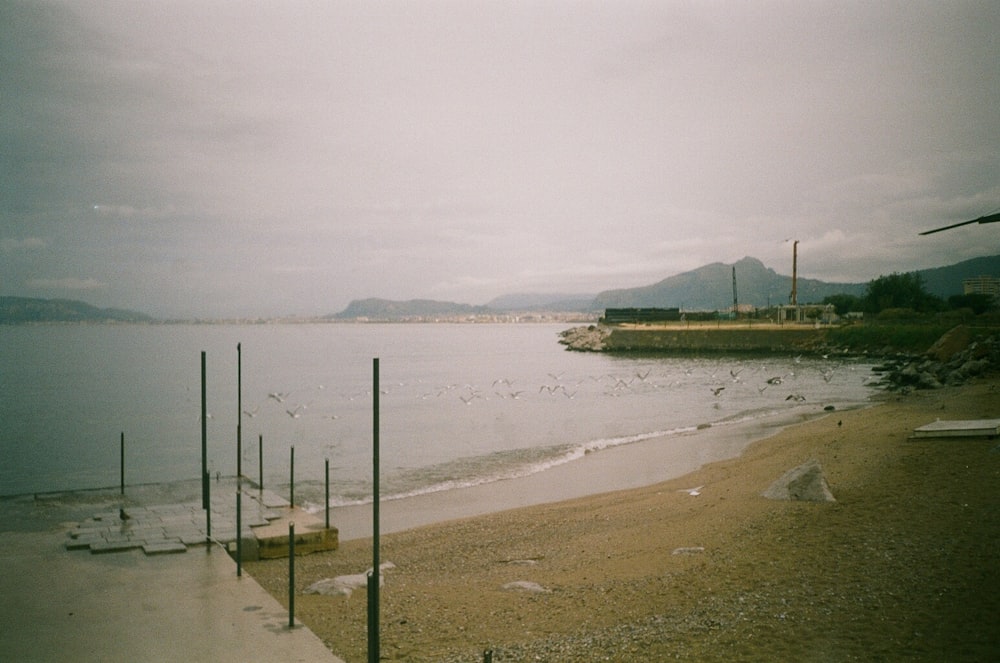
(902, 566)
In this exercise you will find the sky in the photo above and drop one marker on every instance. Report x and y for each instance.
(210, 158)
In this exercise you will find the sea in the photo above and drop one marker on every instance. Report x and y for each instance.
(457, 404)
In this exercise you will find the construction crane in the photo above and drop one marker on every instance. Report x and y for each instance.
(989, 218)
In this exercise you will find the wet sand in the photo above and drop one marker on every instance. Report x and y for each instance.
(623, 467)
(904, 565)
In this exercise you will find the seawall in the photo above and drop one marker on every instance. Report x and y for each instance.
(682, 339)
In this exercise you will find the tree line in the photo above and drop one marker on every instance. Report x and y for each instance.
(907, 293)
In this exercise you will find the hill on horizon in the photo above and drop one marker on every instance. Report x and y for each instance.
(17, 310)
(711, 287)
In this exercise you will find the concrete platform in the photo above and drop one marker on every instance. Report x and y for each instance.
(311, 535)
(172, 528)
(61, 605)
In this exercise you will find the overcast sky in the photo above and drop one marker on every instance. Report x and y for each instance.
(212, 158)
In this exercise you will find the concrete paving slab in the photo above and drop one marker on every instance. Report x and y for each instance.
(103, 547)
(164, 548)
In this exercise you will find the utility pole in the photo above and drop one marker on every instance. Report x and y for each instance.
(793, 299)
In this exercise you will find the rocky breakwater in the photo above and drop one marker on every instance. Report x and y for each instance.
(592, 338)
(958, 356)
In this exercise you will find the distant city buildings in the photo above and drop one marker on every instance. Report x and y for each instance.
(982, 285)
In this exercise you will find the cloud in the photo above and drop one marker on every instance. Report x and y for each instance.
(70, 283)
(301, 155)
(25, 244)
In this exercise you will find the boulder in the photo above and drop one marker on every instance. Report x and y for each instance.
(805, 482)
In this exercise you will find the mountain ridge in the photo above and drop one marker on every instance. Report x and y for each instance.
(708, 288)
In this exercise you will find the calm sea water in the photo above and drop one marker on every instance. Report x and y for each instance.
(459, 404)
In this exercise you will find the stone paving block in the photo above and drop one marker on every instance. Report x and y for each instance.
(224, 536)
(114, 546)
(272, 500)
(182, 533)
(146, 532)
(164, 548)
(173, 519)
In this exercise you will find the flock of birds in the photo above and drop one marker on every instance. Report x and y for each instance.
(749, 378)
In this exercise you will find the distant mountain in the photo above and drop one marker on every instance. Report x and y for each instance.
(566, 303)
(947, 281)
(710, 288)
(17, 310)
(385, 309)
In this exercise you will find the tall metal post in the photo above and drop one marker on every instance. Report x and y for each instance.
(204, 438)
(328, 493)
(373, 579)
(123, 463)
(291, 479)
(239, 414)
(260, 460)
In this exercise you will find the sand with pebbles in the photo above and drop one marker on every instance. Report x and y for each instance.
(904, 565)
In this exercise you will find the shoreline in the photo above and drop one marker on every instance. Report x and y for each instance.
(901, 566)
(623, 467)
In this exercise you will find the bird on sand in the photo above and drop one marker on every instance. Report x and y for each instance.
(693, 492)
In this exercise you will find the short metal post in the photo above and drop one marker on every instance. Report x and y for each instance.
(208, 510)
(291, 575)
(328, 493)
(373, 652)
(239, 531)
(488, 656)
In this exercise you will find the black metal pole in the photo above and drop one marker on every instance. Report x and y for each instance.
(373, 580)
(328, 493)
(291, 575)
(291, 479)
(260, 460)
(239, 531)
(123, 463)
(204, 438)
(239, 413)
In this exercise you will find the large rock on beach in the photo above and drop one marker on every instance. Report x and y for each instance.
(805, 483)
